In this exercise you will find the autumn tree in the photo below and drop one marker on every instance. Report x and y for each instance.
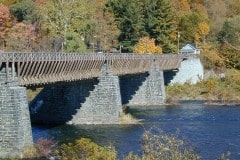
(202, 32)
(199, 7)
(181, 7)
(217, 13)
(147, 45)
(21, 37)
(60, 18)
(234, 8)
(5, 24)
(105, 31)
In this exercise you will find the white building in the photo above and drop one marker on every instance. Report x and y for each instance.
(189, 49)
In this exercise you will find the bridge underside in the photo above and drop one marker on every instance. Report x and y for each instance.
(98, 100)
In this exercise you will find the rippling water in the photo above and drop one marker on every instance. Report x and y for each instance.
(211, 130)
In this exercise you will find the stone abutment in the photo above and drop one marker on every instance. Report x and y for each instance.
(15, 126)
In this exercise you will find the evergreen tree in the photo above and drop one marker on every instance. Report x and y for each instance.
(130, 20)
(136, 19)
(163, 25)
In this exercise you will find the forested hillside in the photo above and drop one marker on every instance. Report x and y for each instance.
(126, 25)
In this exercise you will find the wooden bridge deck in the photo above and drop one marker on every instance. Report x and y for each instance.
(41, 68)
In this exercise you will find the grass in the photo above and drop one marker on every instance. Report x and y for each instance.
(127, 118)
(225, 89)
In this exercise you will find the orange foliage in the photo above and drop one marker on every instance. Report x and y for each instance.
(21, 37)
(185, 6)
(147, 45)
(4, 20)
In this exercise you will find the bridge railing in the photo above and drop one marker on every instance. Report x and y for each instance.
(38, 68)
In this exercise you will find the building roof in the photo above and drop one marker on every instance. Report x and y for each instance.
(189, 48)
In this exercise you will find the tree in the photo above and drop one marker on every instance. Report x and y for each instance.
(130, 21)
(164, 26)
(234, 8)
(140, 18)
(181, 7)
(5, 23)
(189, 26)
(230, 32)
(23, 11)
(105, 31)
(199, 7)
(21, 37)
(59, 17)
(74, 43)
(217, 13)
(147, 45)
(202, 32)
(229, 39)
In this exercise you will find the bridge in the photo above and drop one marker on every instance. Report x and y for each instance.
(43, 68)
(78, 89)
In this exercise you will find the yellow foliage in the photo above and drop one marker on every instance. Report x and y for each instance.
(185, 6)
(211, 57)
(29, 152)
(147, 45)
(203, 30)
(86, 149)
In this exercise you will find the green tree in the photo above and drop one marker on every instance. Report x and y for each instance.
(229, 38)
(130, 21)
(59, 17)
(189, 26)
(74, 43)
(230, 32)
(140, 18)
(23, 11)
(164, 25)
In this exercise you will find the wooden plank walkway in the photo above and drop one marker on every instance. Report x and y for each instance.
(41, 68)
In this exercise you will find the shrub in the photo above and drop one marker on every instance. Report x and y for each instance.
(44, 148)
(86, 149)
(156, 145)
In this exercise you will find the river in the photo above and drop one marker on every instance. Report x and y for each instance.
(210, 129)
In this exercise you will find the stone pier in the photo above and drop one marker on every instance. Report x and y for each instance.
(15, 126)
(143, 89)
(92, 101)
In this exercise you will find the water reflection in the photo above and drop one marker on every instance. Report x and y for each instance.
(212, 130)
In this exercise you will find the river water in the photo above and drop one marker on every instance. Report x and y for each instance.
(210, 129)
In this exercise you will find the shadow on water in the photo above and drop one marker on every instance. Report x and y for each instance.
(210, 129)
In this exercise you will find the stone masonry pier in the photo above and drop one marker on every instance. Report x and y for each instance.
(15, 127)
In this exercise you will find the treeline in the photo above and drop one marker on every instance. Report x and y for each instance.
(126, 25)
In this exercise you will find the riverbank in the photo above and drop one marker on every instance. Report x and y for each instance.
(225, 90)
